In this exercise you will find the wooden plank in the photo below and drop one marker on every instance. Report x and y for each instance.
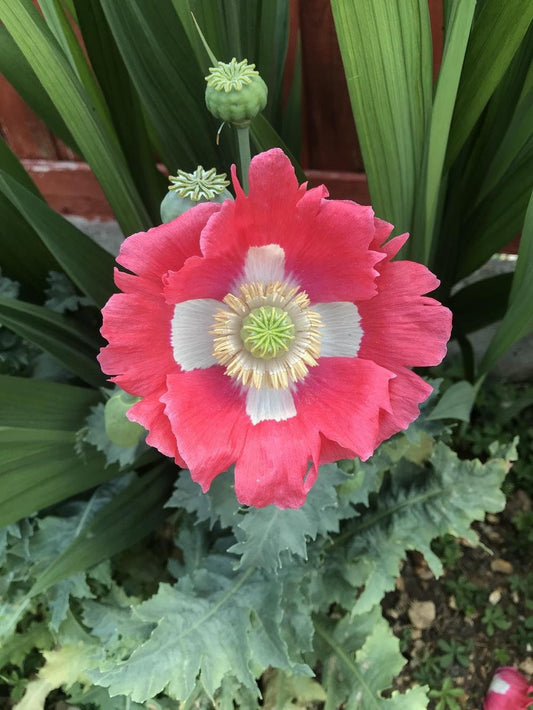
(329, 132)
(26, 134)
(70, 188)
(341, 185)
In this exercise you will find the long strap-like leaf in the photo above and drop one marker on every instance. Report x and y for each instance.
(518, 320)
(55, 334)
(497, 33)
(98, 146)
(386, 50)
(88, 265)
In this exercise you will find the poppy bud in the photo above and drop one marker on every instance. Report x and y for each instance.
(118, 427)
(509, 690)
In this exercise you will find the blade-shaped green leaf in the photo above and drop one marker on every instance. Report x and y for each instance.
(386, 50)
(125, 520)
(56, 335)
(481, 303)
(12, 166)
(264, 34)
(123, 103)
(291, 128)
(88, 265)
(455, 403)
(499, 217)
(36, 404)
(515, 141)
(98, 146)
(185, 13)
(497, 33)
(264, 137)
(17, 70)
(518, 321)
(457, 35)
(485, 144)
(35, 475)
(162, 64)
(63, 31)
(24, 257)
(38, 464)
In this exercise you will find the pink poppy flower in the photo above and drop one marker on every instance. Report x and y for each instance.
(272, 332)
(509, 690)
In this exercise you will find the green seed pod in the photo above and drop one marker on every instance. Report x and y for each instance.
(235, 92)
(190, 189)
(118, 427)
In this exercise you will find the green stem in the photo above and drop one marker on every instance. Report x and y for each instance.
(243, 139)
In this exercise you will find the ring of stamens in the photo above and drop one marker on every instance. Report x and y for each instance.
(283, 335)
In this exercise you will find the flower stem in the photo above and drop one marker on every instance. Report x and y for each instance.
(243, 138)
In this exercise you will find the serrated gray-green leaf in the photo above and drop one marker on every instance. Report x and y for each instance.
(193, 543)
(100, 698)
(61, 295)
(115, 624)
(15, 649)
(213, 624)
(264, 534)
(58, 597)
(445, 499)
(219, 504)
(360, 659)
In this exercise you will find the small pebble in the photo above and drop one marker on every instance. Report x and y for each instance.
(527, 666)
(422, 614)
(495, 596)
(501, 566)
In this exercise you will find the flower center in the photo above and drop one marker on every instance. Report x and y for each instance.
(268, 337)
(267, 332)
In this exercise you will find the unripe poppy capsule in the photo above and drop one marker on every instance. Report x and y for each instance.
(235, 92)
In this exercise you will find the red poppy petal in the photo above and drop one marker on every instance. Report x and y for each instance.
(139, 355)
(342, 398)
(407, 392)
(150, 413)
(305, 225)
(208, 419)
(153, 253)
(273, 466)
(202, 278)
(345, 273)
(401, 327)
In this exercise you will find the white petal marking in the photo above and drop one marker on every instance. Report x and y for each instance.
(269, 405)
(266, 264)
(499, 686)
(341, 329)
(192, 343)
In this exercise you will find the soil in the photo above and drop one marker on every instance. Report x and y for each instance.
(473, 619)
